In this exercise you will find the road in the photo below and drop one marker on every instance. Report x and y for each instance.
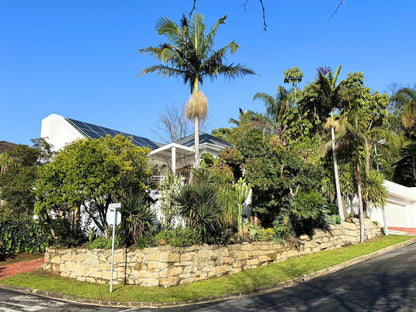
(386, 283)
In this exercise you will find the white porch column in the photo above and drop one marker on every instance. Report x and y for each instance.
(174, 160)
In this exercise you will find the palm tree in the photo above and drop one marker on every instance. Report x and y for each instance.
(189, 54)
(357, 134)
(406, 98)
(330, 97)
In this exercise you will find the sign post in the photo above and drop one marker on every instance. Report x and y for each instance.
(114, 219)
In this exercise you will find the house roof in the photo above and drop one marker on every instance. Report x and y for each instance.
(6, 146)
(204, 138)
(94, 132)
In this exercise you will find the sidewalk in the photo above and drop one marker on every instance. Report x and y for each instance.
(17, 268)
(401, 230)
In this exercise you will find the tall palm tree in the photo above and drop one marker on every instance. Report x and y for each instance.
(406, 98)
(276, 110)
(357, 134)
(189, 53)
(330, 97)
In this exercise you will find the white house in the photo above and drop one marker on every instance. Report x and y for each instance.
(400, 207)
(59, 131)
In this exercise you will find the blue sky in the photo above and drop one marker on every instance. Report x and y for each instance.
(80, 59)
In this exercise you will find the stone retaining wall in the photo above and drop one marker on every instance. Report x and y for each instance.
(168, 266)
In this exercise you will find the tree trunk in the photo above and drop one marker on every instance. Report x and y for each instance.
(197, 157)
(367, 159)
(338, 188)
(360, 198)
(196, 128)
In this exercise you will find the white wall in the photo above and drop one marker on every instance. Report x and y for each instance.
(400, 206)
(57, 131)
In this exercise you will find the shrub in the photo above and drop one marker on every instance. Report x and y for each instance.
(22, 235)
(137, 218)
(179, 237)
(198, 206)
(104, 243)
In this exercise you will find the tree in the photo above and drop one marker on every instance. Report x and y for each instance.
(189, 54)
(330, 97)
(405, 168)
(18, 175)
(356, 135)
(91, 174)
(406, 99)
(341, 2)
(174, 124)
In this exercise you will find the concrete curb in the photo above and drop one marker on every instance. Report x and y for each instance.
(265, 290)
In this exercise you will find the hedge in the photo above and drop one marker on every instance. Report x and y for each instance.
(22, 235)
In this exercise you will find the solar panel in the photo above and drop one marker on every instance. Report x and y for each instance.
(94, 132)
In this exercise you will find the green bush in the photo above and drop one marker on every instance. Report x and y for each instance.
(198, 206)
(22, 235)
(104, 243)
(179, 237)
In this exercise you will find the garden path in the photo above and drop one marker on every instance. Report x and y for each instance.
(17, 268)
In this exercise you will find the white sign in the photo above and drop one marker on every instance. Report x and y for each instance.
(113, 214)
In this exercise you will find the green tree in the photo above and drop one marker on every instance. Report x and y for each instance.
(189, 54)
(18, 175)
(405, 168)
(91, 174)
(405, 98)
(356, 135)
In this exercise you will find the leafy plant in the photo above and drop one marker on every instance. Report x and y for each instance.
(198, 206)
(137, 218)
(169, 188)
(104, 243)
(22, 235)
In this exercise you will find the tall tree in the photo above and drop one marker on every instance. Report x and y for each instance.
(18, 172)
(359, 131)
(406, 99)
(330, 97)
(189, 54)
(173, 124)
(91, 174)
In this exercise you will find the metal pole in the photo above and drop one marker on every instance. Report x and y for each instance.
(386, 229)
(112, 250)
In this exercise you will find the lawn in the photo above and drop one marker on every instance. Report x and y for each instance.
(243, 282)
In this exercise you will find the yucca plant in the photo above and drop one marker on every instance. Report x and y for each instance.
(198, 206)
(137, 218)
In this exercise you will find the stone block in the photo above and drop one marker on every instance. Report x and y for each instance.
(349, 226)
(242, 255)
(188, 256)
(169, 257)
(252, 262)
(151, 257)
(173, 271)
(146, 274)
(157, 265)
(223, 269)
(119, 257)
(246, 246)
(149, 282)
(169, 281)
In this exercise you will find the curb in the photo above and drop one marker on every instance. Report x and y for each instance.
(260, 291)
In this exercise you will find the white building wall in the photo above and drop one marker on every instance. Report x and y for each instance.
(400, 207)
(57, 131)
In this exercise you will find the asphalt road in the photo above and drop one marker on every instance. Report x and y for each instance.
(386, 283)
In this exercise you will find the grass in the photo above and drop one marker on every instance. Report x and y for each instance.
(22, 258)
(243, 282)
